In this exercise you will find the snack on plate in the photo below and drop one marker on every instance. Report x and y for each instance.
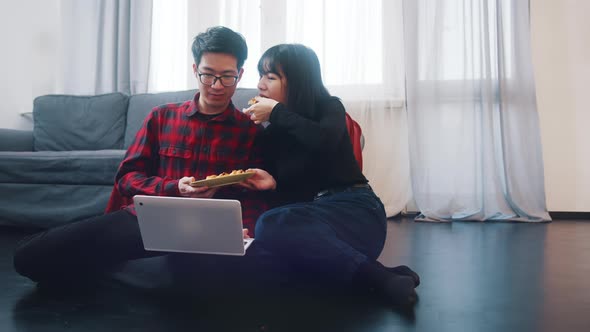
(223, 179)
(252, 101)
(234, 172)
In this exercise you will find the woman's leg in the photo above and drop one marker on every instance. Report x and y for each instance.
(80, 249)
(337, 237)
(373, 247)
(331, 235)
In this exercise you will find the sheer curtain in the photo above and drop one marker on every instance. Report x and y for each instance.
(106, 46)
(359, 47)
(475, 145)
(471, 128)
(169, 49)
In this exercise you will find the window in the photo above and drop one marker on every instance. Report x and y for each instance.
(359, 43)
(168, 57)
(346, 35)
(469, 39)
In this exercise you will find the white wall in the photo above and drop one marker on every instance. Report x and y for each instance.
(30, 35)
(561, 57)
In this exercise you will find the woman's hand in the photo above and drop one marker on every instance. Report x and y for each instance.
(260, 112)
(186, 190)
(261, 180)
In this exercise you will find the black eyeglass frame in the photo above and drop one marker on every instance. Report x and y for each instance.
(216, 78)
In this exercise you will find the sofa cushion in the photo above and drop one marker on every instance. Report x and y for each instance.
(50, 205)
(140, 106)
(60, 167)
(16, 140)
(68, 123)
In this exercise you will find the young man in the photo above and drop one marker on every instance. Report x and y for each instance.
(177, 142)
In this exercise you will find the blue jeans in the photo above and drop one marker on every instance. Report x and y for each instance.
(329, 236)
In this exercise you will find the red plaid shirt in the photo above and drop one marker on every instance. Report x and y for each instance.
(173, 142)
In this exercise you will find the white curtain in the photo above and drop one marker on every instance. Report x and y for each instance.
(106, 46)
(170, 49)
(471, 128)
(359, 46)
(475, 145)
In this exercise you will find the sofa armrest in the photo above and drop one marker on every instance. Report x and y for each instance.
(16, 140)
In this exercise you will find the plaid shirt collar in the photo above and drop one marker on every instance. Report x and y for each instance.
(227, 115)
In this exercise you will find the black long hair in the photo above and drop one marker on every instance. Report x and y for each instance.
(301, 68)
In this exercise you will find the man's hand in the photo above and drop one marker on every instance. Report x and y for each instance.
(195, 192)
(245, 233)
(260, 112)
(261, 180)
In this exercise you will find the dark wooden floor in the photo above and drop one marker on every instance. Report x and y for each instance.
(475, 277)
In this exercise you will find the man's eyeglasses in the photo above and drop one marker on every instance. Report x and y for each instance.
(226, 80)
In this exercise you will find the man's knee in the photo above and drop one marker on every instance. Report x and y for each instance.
(23, 262)
(31, 257)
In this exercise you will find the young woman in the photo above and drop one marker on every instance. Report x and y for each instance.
(327, 220)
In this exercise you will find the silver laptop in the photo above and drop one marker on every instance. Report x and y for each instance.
(191, 225)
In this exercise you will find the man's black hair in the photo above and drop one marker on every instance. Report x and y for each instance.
(220, 39)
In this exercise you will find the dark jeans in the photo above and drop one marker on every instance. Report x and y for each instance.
(87, 249)
(328, 237)
(80, 249)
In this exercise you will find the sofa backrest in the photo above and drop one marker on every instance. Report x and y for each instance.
(108, 121)
(140, 106)
(67, 123)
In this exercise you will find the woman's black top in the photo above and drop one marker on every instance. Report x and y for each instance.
(309, 154)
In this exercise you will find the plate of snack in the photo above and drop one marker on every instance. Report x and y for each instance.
(223, 179)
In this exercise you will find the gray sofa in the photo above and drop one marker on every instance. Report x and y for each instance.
(63, 170)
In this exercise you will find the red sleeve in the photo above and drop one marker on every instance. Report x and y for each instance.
(355, 133)
(138, 173)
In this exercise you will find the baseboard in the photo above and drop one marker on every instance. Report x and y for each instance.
(555, 215)
(565, 215)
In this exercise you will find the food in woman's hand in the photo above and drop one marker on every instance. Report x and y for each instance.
(252, 101)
